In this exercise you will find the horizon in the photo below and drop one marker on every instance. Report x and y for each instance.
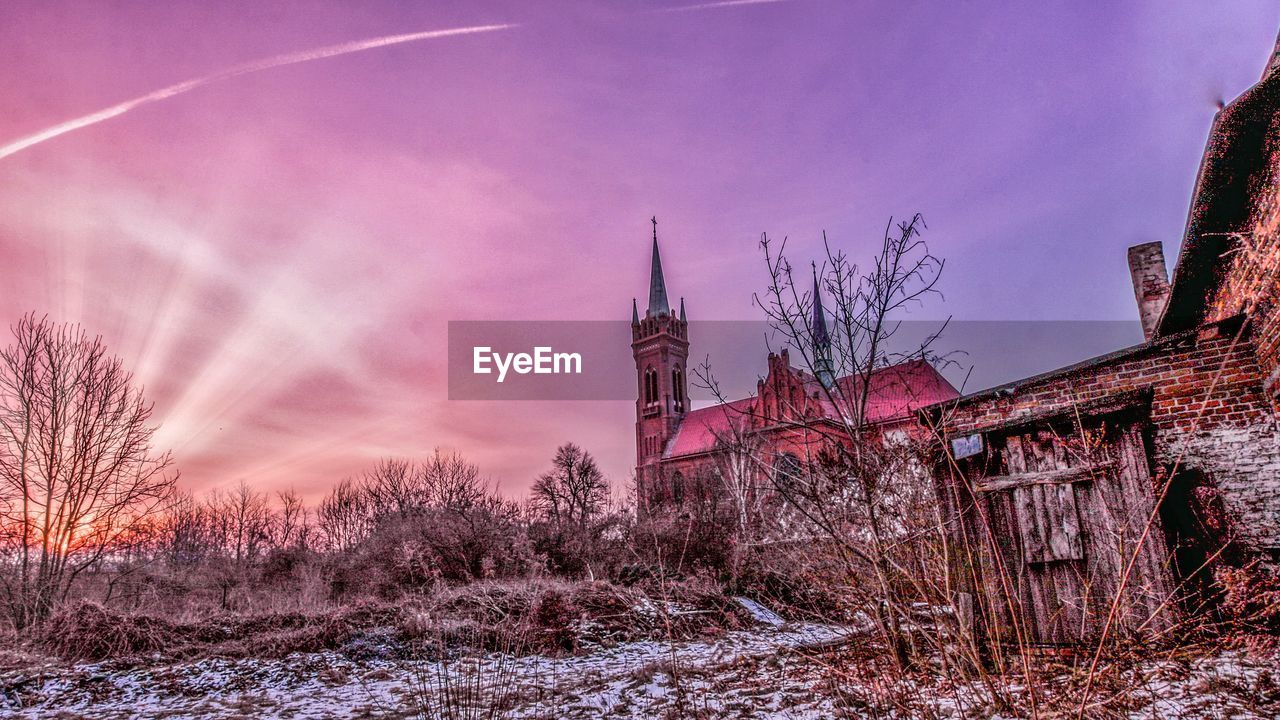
(276, 253)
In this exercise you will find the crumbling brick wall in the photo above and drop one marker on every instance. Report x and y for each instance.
(1208, 413)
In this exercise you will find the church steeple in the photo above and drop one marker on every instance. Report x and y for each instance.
(660, 348)
(821, 339)
(657, 285)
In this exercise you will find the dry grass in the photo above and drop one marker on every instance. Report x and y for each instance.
(88, 631)
(546, 616)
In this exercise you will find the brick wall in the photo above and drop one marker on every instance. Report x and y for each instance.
(1235, 443)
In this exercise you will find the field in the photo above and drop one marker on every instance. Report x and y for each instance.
(629, 656)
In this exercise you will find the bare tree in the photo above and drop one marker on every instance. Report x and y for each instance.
(248, 522)
(848, 483)
(345, 516)
(737, 472)
(186, 533)
(451, 482)
(77, 468)
(569, 499)
(574, 490)
(293, 524)
(395, 485)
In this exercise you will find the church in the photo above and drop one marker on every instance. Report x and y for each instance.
(783, 424)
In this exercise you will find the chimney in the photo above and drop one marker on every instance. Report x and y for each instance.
(1150, 284)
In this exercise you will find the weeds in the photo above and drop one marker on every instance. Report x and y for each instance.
(462, 683)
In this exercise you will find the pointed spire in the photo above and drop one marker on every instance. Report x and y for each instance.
(657, 286)
(635, 313)
(682, 310)
(820, 336)
(821, 339)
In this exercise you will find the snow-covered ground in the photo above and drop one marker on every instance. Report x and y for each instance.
(627, 680)
(771, 672)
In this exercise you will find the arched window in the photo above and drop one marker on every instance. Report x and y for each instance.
(650, 386)
(677, 487)
(677, 392)
(787, 471)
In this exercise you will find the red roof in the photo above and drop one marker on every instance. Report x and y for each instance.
(700, 428)
(893, 394)
(899, 390)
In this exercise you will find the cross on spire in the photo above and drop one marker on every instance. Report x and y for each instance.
(657, 285)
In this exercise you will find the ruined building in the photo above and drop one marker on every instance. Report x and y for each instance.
(1137, 471)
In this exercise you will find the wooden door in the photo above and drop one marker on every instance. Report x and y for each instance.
(1062, 515)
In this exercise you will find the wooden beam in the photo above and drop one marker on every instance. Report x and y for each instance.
(1049, 477)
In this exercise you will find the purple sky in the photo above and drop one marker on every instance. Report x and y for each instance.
(277, 254)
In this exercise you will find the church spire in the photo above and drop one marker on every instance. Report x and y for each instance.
(682, 310)
(821, 339)
(635, 313)
(657, 286)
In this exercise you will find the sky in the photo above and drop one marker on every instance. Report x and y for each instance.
(276, 254)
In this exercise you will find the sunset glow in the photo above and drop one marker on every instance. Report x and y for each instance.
(277, 255)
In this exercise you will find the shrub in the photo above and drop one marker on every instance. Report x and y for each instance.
(554, 617)
(1251, 597)
(88, 631)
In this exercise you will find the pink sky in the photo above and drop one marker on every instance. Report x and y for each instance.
(277, 254)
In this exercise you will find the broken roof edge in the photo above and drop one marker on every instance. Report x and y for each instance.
(1216, 208)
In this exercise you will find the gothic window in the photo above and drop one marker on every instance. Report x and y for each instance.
(677, 382)
(677, 487)
(650, 386)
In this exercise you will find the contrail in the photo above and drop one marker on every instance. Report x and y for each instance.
(719, 4)
(242, 69)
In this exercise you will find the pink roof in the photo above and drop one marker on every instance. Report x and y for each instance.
(899, 390)
(700, 429)
(894, 393)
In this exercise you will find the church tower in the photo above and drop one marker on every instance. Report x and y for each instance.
(660, 346)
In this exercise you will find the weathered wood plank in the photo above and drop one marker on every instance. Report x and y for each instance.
(1015, 462)
(1064, 522)
(1030, 509)
(1082, 473)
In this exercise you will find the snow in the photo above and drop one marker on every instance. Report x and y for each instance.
(760, 613)
(328, 685)
(769, 672)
